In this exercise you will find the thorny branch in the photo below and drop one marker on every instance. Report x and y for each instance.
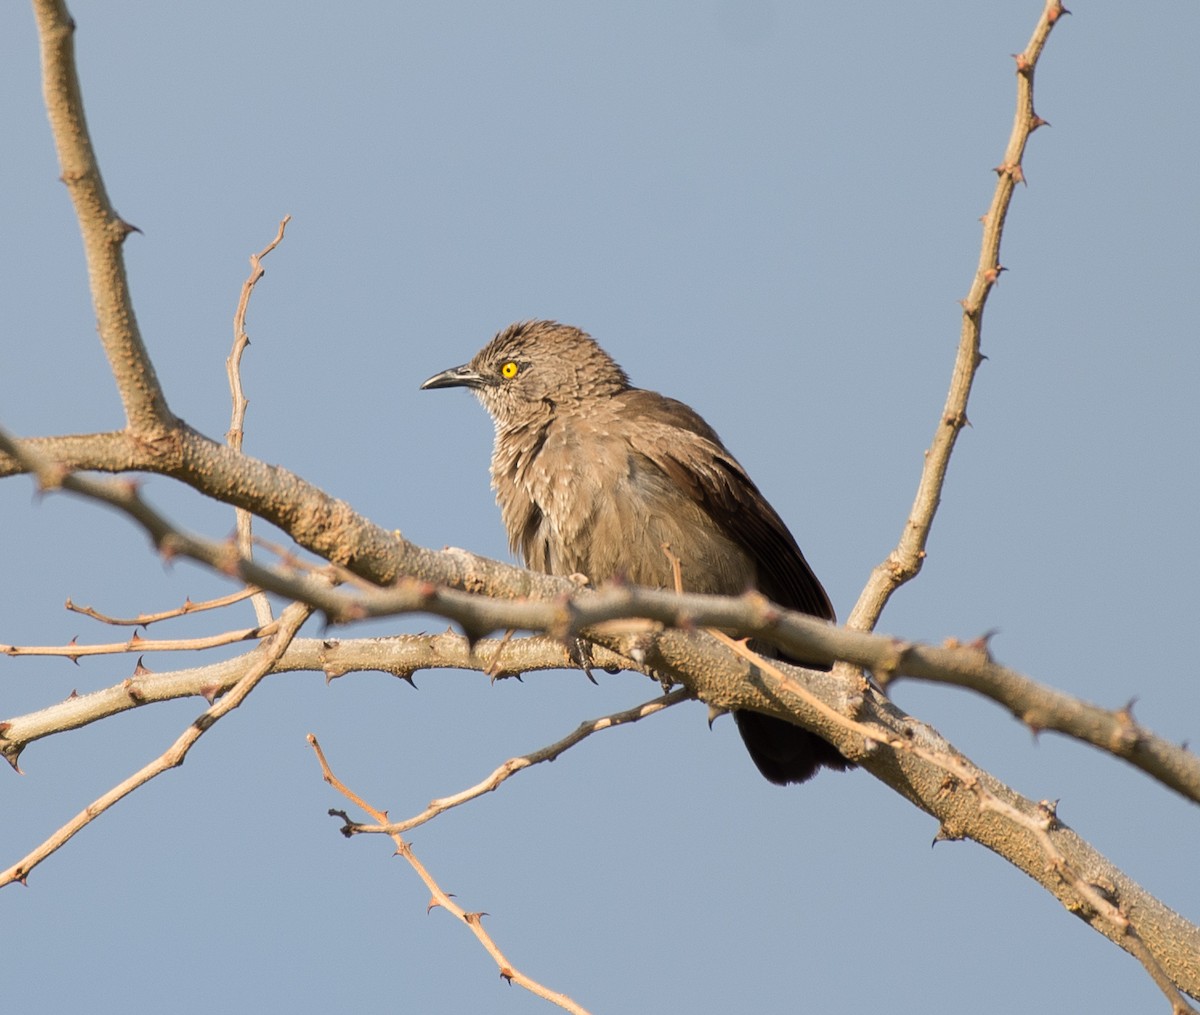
(904, 562)
(233, 369)
(155, 441)
(518, 764)
(440, 898)
(255, 668)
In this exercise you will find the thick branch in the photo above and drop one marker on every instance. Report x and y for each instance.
(561, 610)
(102, 229)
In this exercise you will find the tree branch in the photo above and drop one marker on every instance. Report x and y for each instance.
(259, 665)
(102, 229)
(904, 562)
(440, 898)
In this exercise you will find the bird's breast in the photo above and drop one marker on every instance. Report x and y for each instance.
(581, 500)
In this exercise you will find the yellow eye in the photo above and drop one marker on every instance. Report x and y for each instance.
(509, 370)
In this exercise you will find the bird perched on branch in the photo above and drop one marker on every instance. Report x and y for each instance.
(594, 476)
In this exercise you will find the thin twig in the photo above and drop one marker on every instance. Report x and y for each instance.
(75, 651)
(236, 432)
(146, 619)
(514, 765)
(440, 898)
(904, 562)
(259, 666)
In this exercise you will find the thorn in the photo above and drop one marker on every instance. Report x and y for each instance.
(209, 693)
(1127, 736)
(958, 421)
(13, 757)
(714, 714)
(506, 974)
(944, 834)
(1057, 13)
(433, 903)
(140, 670)
(74, 694)
(1048, 809)
(982, 644)
(1037, 122)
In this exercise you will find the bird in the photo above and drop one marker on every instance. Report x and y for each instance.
(593, 476)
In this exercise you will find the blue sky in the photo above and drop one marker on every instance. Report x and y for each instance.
(766, 210)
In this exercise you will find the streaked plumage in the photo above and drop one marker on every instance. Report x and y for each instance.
(593, 476)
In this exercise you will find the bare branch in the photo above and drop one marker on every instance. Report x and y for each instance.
(401, 656)
(904, 562)
(146, 619)
(1040, 823)
(1114, 731)
(593, 614)
(259, 666)
(233, 369)
(440, 898)
(865, 725)
(102, 229)
(140, 644)
(514, 765)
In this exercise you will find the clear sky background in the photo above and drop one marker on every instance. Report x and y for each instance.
(768, 210)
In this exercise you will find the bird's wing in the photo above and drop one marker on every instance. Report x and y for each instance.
(674, 438)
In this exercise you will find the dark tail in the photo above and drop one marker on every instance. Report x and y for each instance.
(785, 753)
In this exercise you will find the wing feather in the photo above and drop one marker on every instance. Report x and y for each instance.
(674, 438)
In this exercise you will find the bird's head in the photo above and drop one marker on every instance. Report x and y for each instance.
(534, 366)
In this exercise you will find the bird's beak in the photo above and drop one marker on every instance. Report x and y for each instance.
(456, 377)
